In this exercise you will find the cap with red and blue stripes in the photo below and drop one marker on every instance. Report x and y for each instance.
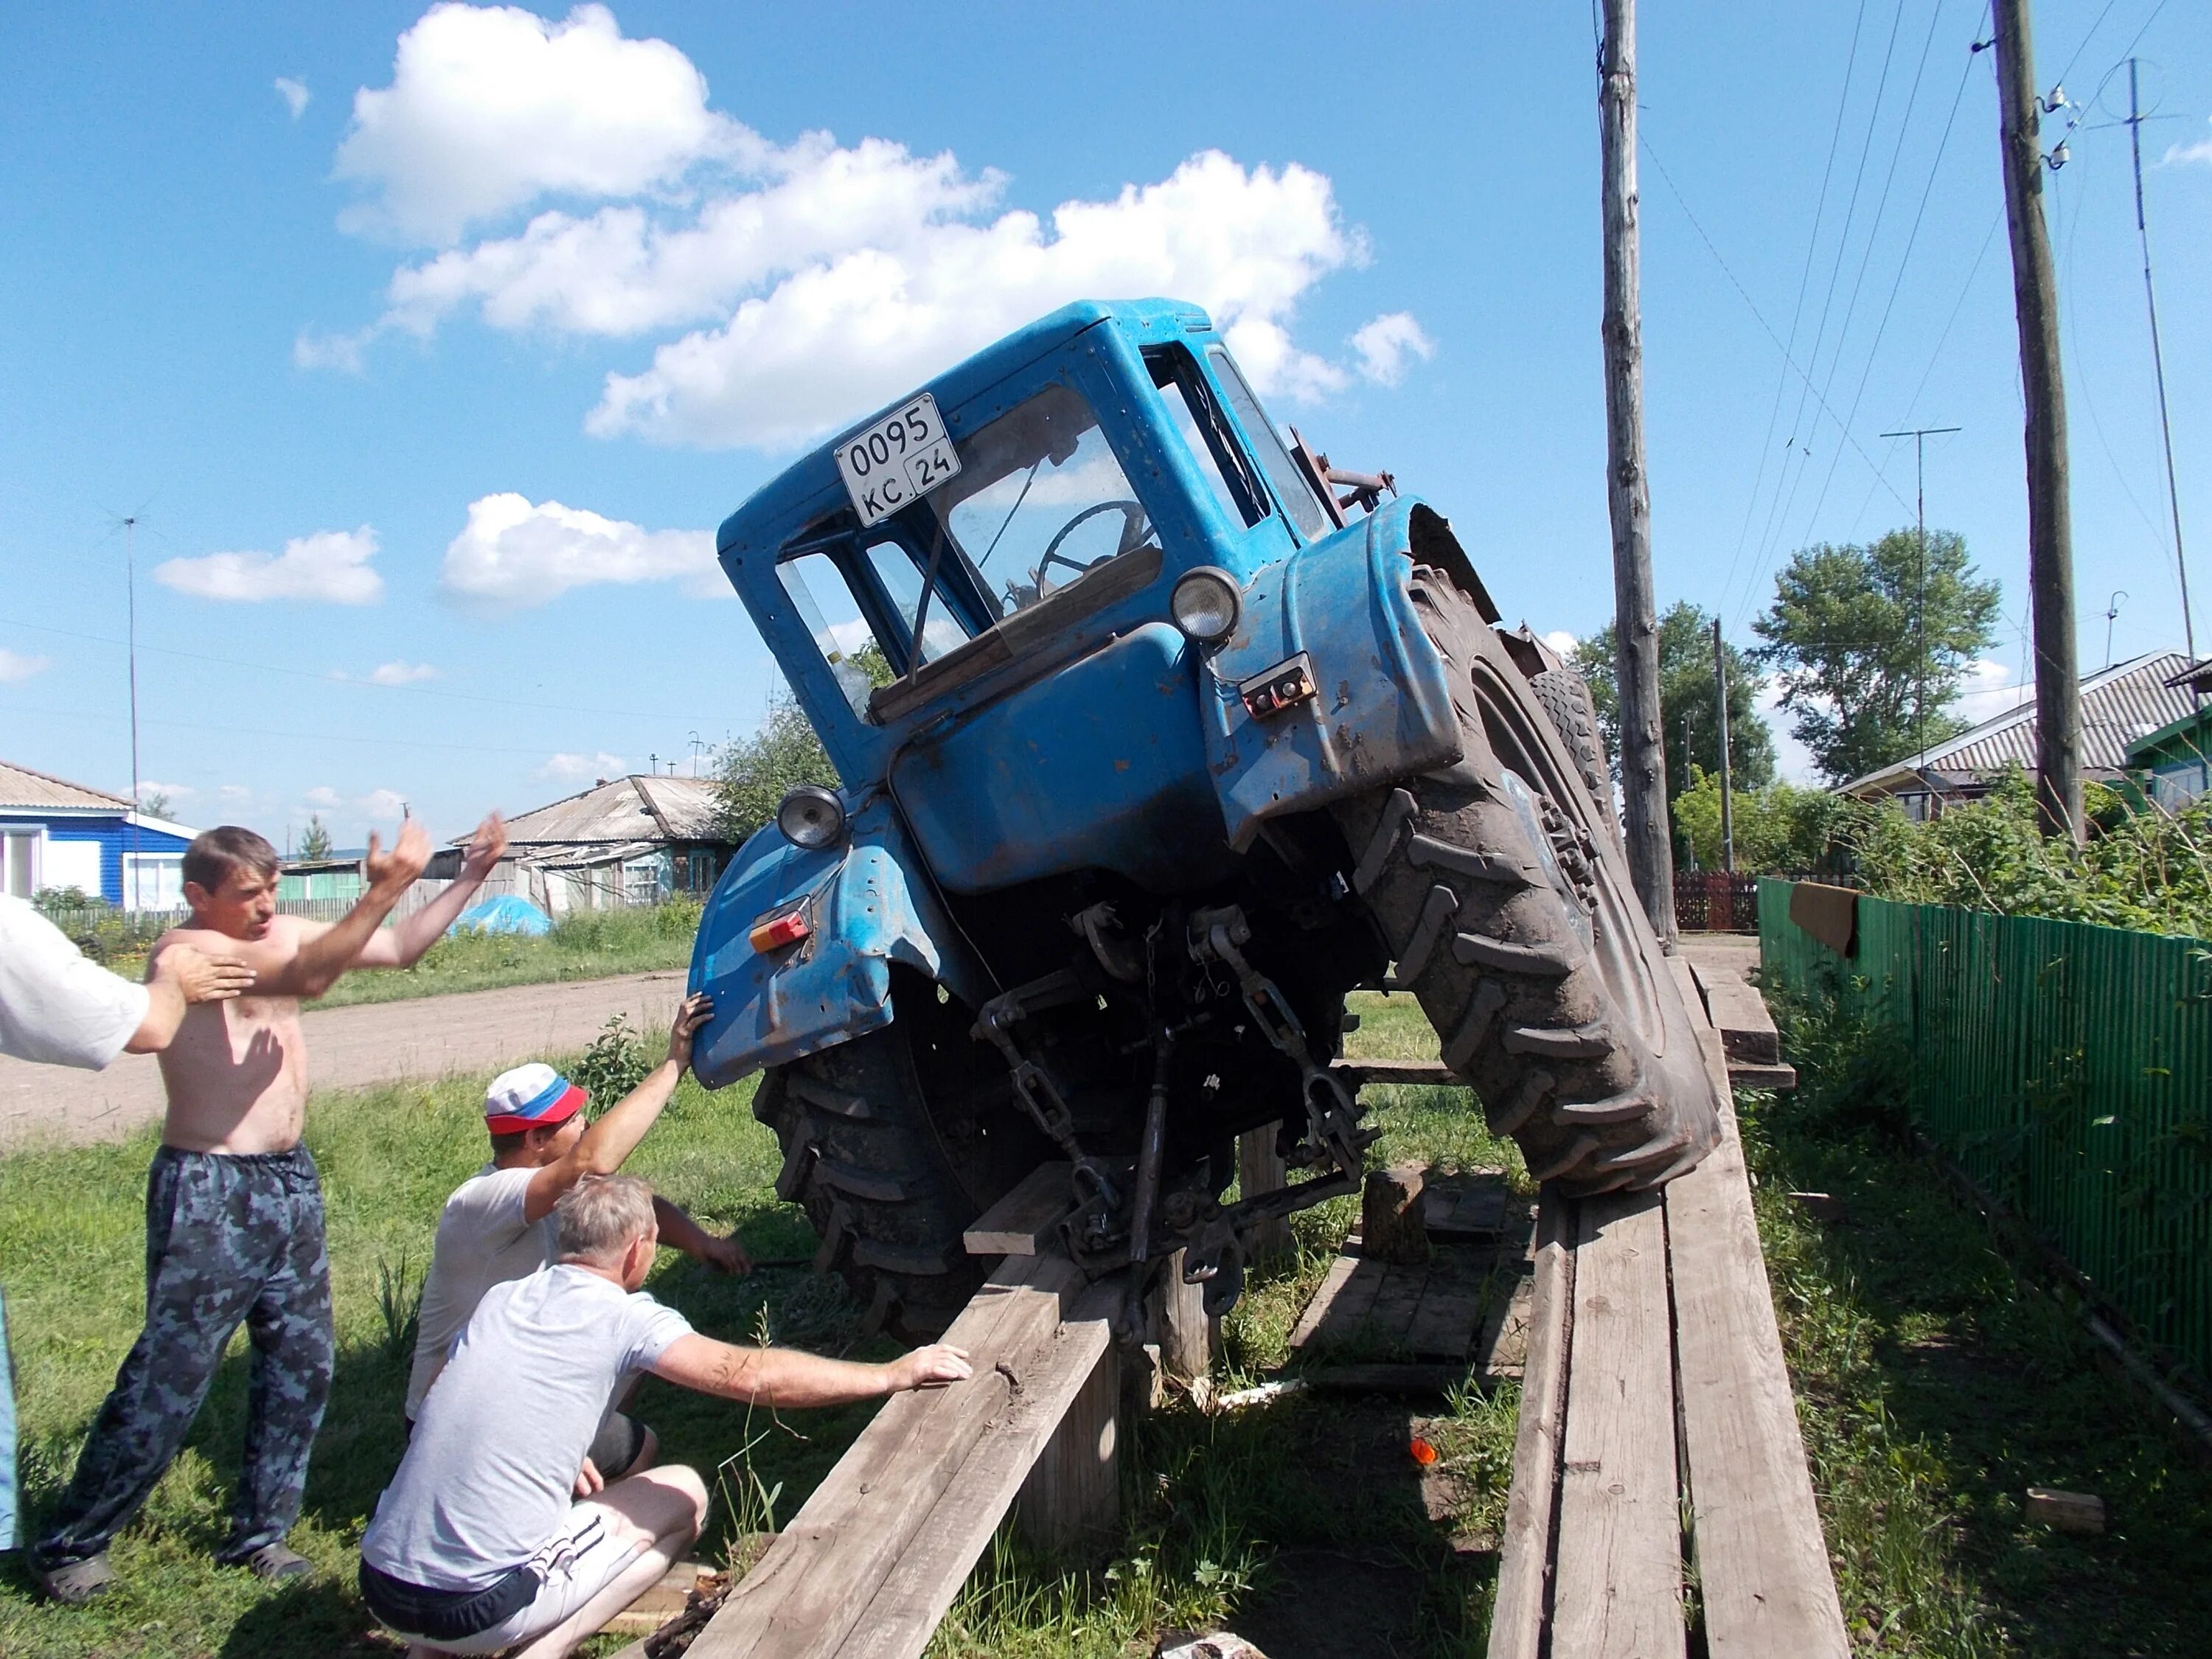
(532, 1097)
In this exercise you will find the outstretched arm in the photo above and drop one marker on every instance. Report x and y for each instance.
(601, 1149)
(323, 954)
(792, 1377)
(402, 944)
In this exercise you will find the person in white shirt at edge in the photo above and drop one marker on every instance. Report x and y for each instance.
(498, 1224)
(234, 1206)
(476, 1545)
(59, 1009)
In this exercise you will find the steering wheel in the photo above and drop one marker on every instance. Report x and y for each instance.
(1134, 524)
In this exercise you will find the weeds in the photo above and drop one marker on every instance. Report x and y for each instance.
(616, 1063)
(399, 1303)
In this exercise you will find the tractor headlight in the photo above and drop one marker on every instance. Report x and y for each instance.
(812, 817)
(1205, 604)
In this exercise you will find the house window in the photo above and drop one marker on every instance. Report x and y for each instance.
(19, 863)
(153, 881)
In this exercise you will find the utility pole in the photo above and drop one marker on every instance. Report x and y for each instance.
(1728, 798)
(129, 884)
(1920, 434)
(1628, 494)
(2111, 615)
(2050, 527)
(2158, 361)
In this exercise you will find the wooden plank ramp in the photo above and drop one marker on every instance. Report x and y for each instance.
(1656, 1390)
(872, 1560)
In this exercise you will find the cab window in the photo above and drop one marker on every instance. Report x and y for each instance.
(1040, 501)
(1293, 489)
(1191, 410)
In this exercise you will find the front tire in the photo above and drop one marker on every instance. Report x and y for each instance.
(1507, 905)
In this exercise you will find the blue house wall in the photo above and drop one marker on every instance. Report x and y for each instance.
(111, 833)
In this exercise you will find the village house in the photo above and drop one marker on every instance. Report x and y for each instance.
(56, 835)
(2121, 707)
(634, 840)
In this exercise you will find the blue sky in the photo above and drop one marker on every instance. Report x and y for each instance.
(429, 347)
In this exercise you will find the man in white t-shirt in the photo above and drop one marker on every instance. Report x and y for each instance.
(498, 1223)
(476, 1545)
(59, 1009)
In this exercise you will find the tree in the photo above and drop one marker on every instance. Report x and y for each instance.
(1686, 690)
(1869, 644)
(154, 804)
(314, 840)
(753, 775)
(1780, 831)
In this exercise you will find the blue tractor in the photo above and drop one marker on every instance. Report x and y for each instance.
(1155, 747)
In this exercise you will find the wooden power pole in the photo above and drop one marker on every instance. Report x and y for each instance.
(1728, 794)
(2050, 526)
(1628, 494)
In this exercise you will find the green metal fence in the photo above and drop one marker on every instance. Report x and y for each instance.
(2067, 1068)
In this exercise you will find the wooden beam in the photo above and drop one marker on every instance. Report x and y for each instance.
(1619, 1590)
(903, 1613)
(1516, 1622)
(1188, 1338)
(1024, 1222)
(1071, 1499)
(816, 1579)
(1762, 1561)
(1259, 1170)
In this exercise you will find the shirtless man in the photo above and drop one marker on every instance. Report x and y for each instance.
(233, 1208)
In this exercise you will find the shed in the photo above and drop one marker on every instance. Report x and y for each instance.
(634, 840)
(56, 834)
(2175, 757)
(2120, 706)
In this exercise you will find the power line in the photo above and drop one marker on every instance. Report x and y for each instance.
(2158, 357)
(1797, 308)
(1905, 260)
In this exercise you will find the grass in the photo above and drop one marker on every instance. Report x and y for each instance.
(1218, 1508)
(1935, 1386)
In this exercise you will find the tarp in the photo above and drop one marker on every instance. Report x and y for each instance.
(509, 915)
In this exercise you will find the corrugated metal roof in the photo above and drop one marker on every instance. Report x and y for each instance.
(2119, 704)
(22, 787)
(659, 809)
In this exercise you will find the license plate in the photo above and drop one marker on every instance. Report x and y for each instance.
(898, 461)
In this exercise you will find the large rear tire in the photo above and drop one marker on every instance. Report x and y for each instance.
(892, 1144)
(1508, 907)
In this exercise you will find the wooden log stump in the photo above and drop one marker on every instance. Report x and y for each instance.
(1259, 1170)
(1392, 1223)
(1187, 1338)
(1071, 1503)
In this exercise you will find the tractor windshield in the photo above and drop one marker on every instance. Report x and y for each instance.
(1040, 501)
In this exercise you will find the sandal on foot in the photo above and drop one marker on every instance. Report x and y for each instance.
(276, 1563)
(75, 1582)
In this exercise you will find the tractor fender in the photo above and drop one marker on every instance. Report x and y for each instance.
(866, 905)
(1382, 708)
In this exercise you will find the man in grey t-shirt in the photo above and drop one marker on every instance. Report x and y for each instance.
(476, 1545)
(498, 1225)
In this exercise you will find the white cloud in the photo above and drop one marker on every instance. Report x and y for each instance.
(331, 566)
(324, 797)
(342, 352)
(513, 555)
(1988, 688)
(816, 280)
(1386, 343)
(295, 94)
(402, 673)
(15, 666)
(569, 767)
(490, 109)
(382, 804)
(147, 788)
(234, 792)
(851, 329)
(2199, 152)
(1562, 642)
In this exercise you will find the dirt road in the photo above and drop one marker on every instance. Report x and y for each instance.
(347, 1047)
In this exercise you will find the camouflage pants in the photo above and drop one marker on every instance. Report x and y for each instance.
(228, 1238)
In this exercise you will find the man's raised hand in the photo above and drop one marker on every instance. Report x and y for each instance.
(400, 867)
(200, 977)
(930, 1368)
(695, 1013)
(485, 847)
